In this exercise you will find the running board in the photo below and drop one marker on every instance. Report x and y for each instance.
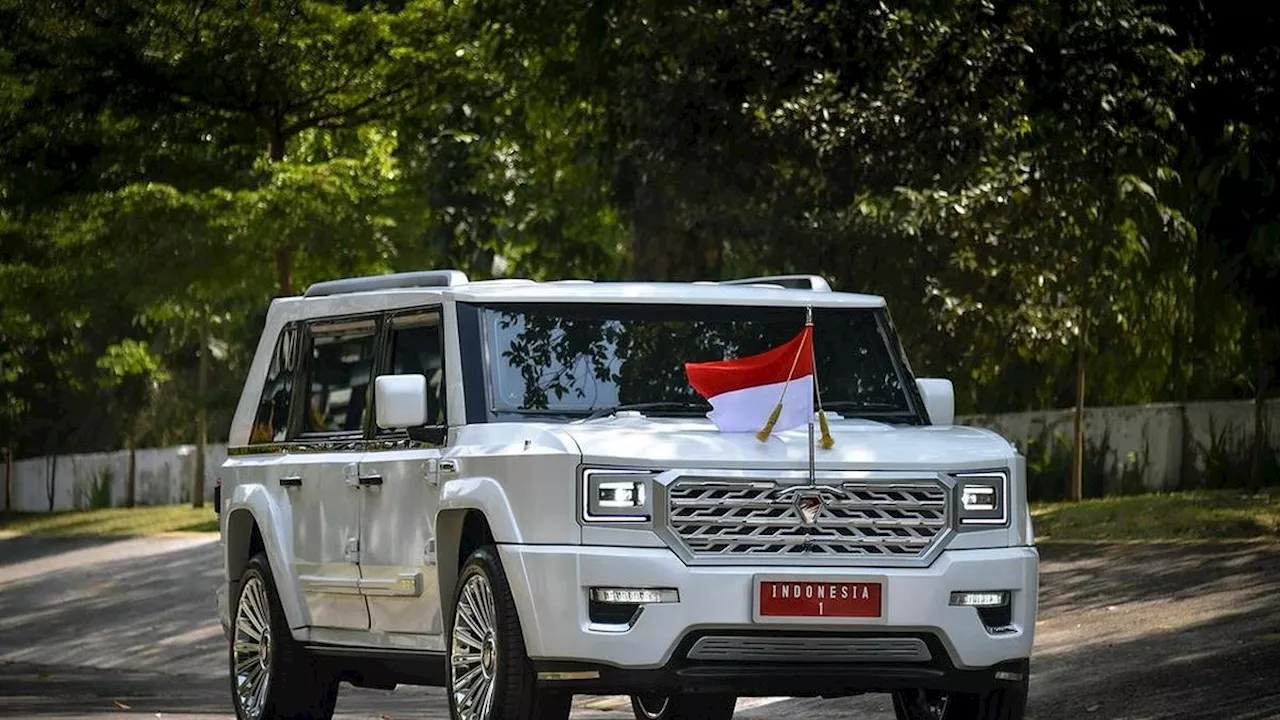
(373, 653)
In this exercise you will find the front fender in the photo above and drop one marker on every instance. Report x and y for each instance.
(252, 505)
(487, 496)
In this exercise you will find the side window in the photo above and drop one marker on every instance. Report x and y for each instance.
(339, 376)
(418, 348)
(271, 424)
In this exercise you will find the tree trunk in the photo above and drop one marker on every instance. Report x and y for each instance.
(284, 270)
(8, 479)
(131, 492)
(1077, 450)
(202, 424)
(51, 467)
(662, 249)
(1261, 380)
(284, 253)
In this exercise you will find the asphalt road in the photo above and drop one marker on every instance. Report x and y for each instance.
(92, 630)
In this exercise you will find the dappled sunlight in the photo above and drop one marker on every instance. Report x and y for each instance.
(137, 605)
(1084, 576)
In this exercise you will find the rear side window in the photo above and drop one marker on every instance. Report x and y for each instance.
(339, 376)
(271, 424)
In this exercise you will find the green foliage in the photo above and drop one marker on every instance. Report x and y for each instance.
(1228, 460)
(95, 494)
(1049, 467)
(1023, 181)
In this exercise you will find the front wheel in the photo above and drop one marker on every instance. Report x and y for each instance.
(655, 706)
(1002, 704)
(490, 677)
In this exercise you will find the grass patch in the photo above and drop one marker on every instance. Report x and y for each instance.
(1179, 516)
(111, 522)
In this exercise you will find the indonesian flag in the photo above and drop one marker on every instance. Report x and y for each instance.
(745, 392)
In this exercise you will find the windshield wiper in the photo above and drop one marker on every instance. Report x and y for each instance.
(662, 405)
(863, 407)
(878, 411)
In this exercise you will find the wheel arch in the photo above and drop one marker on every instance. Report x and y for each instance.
(252, 525)
(459, 532)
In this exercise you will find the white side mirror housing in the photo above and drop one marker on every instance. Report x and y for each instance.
(939, 400)
(400, 401)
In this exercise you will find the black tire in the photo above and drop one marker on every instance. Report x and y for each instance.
(515, 691)
(658, 706)
(297, 684)
(1003, 704)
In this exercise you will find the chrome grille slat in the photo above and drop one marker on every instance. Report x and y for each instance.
(809, 649)
(889, 520)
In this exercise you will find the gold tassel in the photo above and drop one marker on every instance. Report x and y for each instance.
(765, 431)
(827, 440)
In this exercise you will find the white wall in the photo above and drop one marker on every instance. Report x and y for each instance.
(1168, 442)
(165, 476)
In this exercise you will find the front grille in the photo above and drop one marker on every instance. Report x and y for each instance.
(869, 521)
(810, 649)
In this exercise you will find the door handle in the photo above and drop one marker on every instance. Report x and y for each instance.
(374, 479)
(291, 481)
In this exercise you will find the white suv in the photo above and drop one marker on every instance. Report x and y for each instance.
(512, 490)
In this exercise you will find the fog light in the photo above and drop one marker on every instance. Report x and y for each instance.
(992, 598)
(634, 596)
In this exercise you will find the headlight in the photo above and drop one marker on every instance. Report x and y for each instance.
(981, 498)
(616, 495)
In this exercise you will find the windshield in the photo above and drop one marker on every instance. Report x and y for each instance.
(575, 358)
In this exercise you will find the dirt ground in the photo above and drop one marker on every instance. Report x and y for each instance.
(127, 630)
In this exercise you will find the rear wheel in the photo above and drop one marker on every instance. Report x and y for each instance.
(272, 675)
(657, 706)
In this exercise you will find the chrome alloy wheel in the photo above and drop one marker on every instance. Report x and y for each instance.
(652, 706)
(927, 704)
(252, 650)
(473, 660)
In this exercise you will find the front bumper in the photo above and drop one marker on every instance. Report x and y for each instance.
(718, 601)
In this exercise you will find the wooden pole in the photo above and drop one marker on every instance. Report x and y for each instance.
(1076, 491)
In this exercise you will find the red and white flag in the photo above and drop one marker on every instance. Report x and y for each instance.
(744, 392)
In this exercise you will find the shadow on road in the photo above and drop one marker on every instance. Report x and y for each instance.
(1127, 632)
(116, 605)
(24, 548)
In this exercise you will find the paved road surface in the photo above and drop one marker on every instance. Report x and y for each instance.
(92, 630)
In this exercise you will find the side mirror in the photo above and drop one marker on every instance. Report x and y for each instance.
(939, 400)
(400, 401)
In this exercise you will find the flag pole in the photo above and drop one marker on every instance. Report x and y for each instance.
(827, 441)
(808, 326)
(763, 434)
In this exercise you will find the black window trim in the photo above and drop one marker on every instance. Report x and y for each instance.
(487, 413)
(291, 327)
(302, 390)
(384, 357)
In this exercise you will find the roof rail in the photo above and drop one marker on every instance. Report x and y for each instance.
(795, 282)
(417, 279)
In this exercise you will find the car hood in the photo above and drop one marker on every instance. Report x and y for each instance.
(859, 444)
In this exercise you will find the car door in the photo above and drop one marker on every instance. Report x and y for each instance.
(326, 488)
(397, 530)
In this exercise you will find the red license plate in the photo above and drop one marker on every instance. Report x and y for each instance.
(807, 598)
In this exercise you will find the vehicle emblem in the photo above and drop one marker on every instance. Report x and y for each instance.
(809, 507)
